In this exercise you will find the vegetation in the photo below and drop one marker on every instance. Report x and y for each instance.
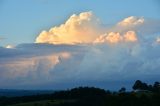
(142, 95)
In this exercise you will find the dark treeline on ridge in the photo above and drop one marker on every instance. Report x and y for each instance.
(142, 95)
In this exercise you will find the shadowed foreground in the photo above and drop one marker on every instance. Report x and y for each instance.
(143, 95)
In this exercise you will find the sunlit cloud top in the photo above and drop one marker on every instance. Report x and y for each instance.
(87, 28)
(131, 21)
(82, 28)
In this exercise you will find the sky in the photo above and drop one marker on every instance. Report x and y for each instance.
(110, 43)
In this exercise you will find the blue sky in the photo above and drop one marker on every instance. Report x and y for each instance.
(22, 20)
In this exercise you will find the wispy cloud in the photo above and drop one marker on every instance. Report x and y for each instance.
(2, 38)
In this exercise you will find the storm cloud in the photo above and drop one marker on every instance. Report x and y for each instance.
(83, 52)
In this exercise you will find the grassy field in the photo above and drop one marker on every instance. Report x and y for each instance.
(45, 103)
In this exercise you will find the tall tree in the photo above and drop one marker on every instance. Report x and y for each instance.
(156, 87)
(139, 85)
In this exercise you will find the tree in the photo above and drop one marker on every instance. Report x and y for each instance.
(122, 90)
(156, 87)
(138, 85)
(150, 87)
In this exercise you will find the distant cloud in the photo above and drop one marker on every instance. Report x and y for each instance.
(1, 38)
(112, 37)
(131, 21)
(10, 46)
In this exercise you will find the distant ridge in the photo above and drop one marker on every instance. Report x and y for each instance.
(17, 92)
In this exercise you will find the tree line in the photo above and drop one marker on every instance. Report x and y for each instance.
(139, 85)
(143, 94)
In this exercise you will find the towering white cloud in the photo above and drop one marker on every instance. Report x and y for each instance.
(82, 28)
(87, 28)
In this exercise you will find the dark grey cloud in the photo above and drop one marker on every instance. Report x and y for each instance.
(61, 66)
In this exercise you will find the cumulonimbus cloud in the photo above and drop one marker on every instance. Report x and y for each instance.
(124, 52)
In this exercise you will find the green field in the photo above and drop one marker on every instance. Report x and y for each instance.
(45, 103)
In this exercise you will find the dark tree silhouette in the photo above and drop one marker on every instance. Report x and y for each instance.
(156, 87)
(139, 85)
(150, 87)
(122, 90)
